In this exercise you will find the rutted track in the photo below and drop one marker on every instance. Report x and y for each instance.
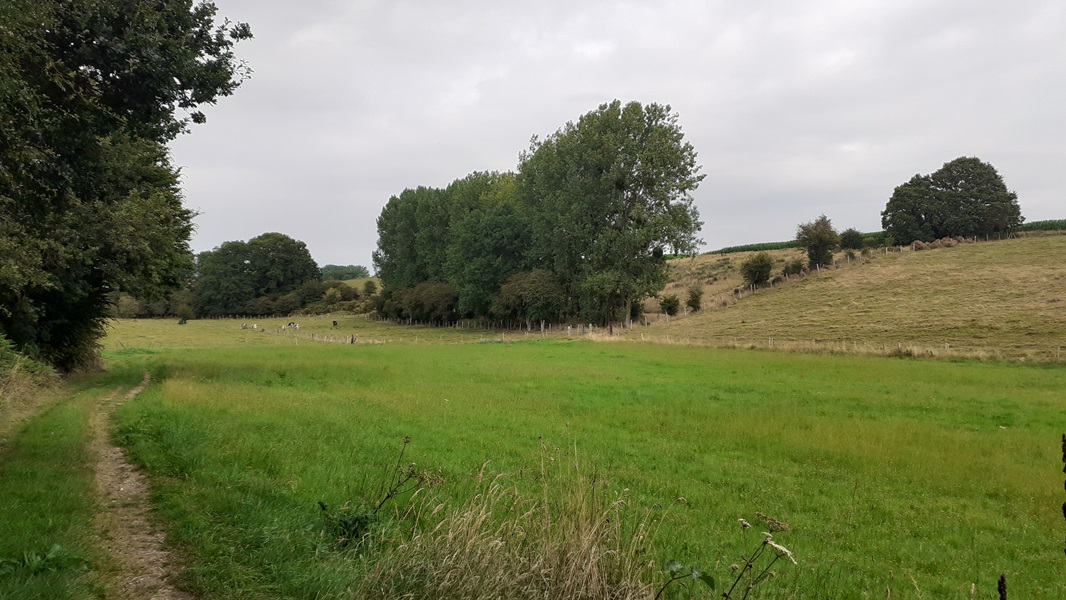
(124, 525)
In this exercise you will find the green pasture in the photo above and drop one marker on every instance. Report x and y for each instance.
(925, 478)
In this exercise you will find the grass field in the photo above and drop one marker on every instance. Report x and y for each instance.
(899, 478)
(927, 478)
(999, 300)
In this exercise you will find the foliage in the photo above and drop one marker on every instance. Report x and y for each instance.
(757, 247)
(793, 267)
(268, 274)
(1048, 225)
(370, 288)
(756, 568)
(469, 235)
(487, 245)
(756, 269)
(819, 239)
(530, 296)
(33, 563)
(695, 298)
(670, 304)
(596, 205)
(353, 524)
(89, 201)
(965, 197)
(851, 239)
(344, 272)
(608, 197)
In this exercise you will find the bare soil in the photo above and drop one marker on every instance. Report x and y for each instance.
(125, 526)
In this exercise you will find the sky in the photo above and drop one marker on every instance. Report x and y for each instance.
(796, 109)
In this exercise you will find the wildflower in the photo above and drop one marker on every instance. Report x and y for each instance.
(781, 550)
(773, 523)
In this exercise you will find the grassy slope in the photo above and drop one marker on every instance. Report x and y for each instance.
(1003, 299)
(887, 470)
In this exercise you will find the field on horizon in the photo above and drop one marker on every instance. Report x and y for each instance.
(926, 478)
(1001, 300)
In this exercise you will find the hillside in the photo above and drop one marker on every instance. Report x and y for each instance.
(1002, 299)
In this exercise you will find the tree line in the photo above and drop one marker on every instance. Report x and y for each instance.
(269, 275)
(581, 231)
(90, 93)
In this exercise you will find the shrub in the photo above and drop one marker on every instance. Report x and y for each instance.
(851, 239)
(793, 267)
(670, 304)
(819, 239)
(756, 270)
(695, 298)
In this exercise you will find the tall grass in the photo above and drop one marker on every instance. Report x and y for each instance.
(46, 507)
(573, 541)
(885, 469)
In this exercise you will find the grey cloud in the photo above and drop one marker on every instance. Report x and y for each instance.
(796, 109)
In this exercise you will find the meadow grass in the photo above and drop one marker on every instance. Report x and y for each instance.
(152, 335)
(1001, 300)
(48, 548)
(46, 500)
(920, 477)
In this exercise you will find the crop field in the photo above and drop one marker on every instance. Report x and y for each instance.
(926, 478)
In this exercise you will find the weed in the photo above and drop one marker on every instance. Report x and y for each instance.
(767, 552)
(33, 563)
(574, 541)
(353, 523)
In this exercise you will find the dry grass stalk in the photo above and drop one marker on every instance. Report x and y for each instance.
(570, 543)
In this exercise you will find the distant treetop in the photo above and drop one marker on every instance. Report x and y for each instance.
(344, 272)
(966, 197)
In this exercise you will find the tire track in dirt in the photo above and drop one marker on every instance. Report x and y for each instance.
(124, 525)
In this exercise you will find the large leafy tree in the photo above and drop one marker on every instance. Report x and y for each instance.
(250, 277)
(488, 240)
(90, 91)
(608, 197)
(965, 197)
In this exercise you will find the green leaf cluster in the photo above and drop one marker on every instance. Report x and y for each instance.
(90, 92)
(965, 197)
(265, 275)
(597, 206)
(819, 239)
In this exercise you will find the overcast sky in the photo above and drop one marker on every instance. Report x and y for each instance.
(796, 108)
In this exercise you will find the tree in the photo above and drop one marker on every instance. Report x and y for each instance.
(819, 239)
(756, 269)
(487, 241)
(89, 202)
(530, 296)
(606, 198)
(695, 298)
(670, 304)
(343, 273)
(965, 197)
(851, 239)
(252, 277)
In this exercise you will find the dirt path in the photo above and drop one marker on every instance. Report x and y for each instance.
(126, 529)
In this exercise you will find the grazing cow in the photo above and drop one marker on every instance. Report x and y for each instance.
(334, 324)
(244, 326)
